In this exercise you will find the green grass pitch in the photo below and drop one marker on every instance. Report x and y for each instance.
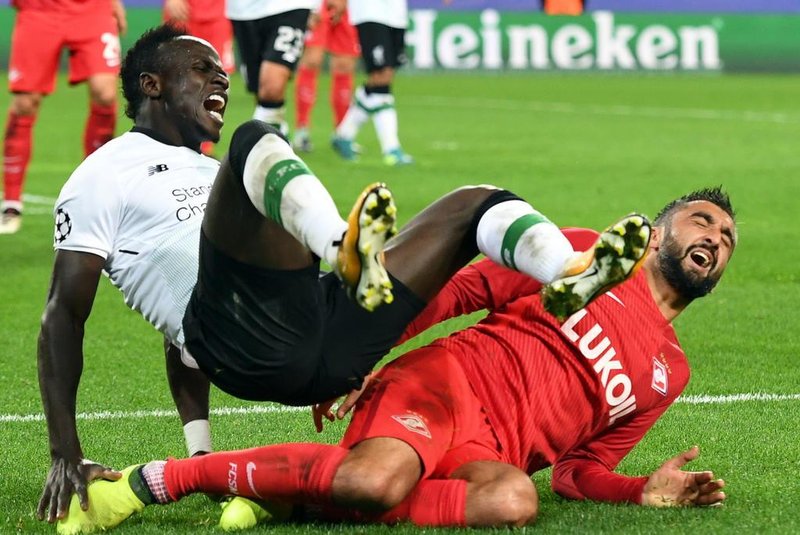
(584, 150)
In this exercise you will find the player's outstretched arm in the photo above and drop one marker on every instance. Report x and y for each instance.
(669, 486)
(60, 360)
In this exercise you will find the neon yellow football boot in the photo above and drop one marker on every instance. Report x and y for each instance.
(110, 502)
(240, 513)
(360, 259)
(614, 258)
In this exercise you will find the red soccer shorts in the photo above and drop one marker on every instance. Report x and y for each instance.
(39, 38)
(340, 38)
(425, 400)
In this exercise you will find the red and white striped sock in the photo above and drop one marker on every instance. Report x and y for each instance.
(153, 475)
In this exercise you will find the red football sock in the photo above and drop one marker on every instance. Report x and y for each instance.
(99, 127)
(16, 154)
(300, 473)
(305, 94)
(341, 94)
(433, 502)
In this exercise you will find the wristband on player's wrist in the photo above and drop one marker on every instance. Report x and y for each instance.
(198, 437)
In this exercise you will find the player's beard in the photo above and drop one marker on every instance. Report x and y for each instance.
(688, 284)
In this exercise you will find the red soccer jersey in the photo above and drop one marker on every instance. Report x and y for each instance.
(580, 394)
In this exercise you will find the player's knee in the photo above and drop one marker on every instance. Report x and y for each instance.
(312, 58)
(343, 65)
(244, 139)
(104, 96)
(271, 90)
(103, 89)
(373, 485)
(380, 490)
(26, 103)
(518, 502)
(381, 76)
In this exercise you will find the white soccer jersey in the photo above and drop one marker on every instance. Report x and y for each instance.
(138, 203)
(258, 9)
(392, 13)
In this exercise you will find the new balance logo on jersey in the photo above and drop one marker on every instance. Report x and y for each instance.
(414, 424)
(160, 168)
(659, 377)
(594, 346)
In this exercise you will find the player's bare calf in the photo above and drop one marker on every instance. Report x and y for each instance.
(360, 260)
(614, 257)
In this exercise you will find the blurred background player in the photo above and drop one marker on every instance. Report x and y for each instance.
(89, 30)
(381, 26)
(329, 30)
(270, 35)
(205, 19)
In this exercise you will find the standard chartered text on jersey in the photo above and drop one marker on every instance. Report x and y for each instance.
(189, 209)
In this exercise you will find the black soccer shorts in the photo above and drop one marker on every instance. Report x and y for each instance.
(381, 46)
(278, 38)
(286, 336)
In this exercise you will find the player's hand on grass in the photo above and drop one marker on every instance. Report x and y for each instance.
(65, 478)
(325, 410)
(669, 486)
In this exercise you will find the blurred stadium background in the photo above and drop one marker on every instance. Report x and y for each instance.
(621, 108)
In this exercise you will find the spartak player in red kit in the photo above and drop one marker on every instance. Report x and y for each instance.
(89, 30)
(448, 434)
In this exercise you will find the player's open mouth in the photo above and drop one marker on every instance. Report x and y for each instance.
(215, 106)
(701, 257)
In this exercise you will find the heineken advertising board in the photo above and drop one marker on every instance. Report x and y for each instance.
(603, 40)
(513, 40)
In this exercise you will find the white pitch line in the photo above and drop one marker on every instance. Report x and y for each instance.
(38, 211)
(615, 110)
(41, 205)
(280, 409)
(155, 413)
(38, 199)
(700, 399)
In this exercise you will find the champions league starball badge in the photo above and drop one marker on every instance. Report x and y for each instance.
(63, 225)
